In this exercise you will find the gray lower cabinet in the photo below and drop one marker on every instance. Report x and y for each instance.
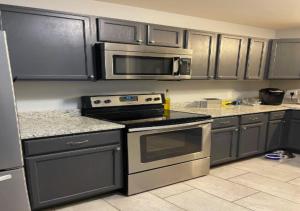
(46, 45)
(252, 139)
(112, 30)
(224, 145)
(256, 59)
(203, 45)
(231, 57)
(275, 134)
(293, 136)
(284, 60)
(167, 36)
(79, 172)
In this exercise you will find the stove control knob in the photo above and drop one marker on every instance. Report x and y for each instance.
(107, 101)
(148, 99)
(97, 101)
(157, 99)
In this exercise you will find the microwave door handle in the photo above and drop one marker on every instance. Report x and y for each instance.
(176, 61)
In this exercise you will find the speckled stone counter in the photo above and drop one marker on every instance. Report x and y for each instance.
(54, 123)
(231, 110)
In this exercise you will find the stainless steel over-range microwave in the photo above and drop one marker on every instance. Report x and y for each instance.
(124, 61)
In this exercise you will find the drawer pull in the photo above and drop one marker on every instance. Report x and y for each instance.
(139, 41)
(254, 118)
(5, 177)
(236, 129)
(77, 143)
(118, 149)
(225, 122)
(244, 128)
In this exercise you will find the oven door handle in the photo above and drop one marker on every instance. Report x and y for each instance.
(170, 126)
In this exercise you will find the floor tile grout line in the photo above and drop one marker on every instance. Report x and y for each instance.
(293, 179)
(267, 192)
(229, 177)
(111, 204)
(168, 201)
(246, 196)
(265, 176)
(173, 194)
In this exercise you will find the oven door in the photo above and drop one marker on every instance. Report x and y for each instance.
(155, 147)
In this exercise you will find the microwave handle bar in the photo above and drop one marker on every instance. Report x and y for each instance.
(176, 63)
(176, 126)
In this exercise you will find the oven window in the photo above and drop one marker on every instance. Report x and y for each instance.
(139, 65)
(170, 144)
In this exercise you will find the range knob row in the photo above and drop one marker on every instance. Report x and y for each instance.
(152, 99)
(99, 101)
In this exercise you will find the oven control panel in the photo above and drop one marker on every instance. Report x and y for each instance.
(125, 100)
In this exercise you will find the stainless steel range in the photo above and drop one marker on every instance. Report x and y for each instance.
(161, 147)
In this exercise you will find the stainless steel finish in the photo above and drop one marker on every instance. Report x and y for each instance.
(177, 126)
(139, 41)
(134, 155)
(13, 190)
(10, 146)
(155, 178)
(115, 100)
(111, 49)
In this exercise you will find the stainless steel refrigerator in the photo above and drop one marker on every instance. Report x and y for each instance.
(13, 191)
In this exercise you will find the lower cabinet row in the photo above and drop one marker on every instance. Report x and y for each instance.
(240, 137)
(64, 169)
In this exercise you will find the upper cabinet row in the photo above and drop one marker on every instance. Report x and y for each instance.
(49, 45)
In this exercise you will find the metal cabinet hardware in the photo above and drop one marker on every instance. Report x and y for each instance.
(139, 41)
(118, 149)
(77, 143)
(5, 177)
(236, 129)
(244, 128)
(151, 41)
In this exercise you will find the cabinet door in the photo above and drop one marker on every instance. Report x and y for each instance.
(294, 134)
(275, 132)
(110, 30)
(284, 61)
(47, 45)
(232, 51)
(252, 139)
(223, 145)
(256, 58)
(165, 36)
(203, 45)
(62, 177)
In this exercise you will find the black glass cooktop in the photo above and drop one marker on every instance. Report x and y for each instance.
(150, 118)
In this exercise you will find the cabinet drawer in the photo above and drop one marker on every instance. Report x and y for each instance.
(277, 115)
(66, 143)
(252, 118)
(225, 122)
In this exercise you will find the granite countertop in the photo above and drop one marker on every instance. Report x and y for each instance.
(54, 123)
(231, 110)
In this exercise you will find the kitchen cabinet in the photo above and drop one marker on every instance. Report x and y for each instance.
(46, 45)
(224, 145)
(164, 36)
(74, 167)
(224, 140)
(284, 61)
(256, 58)
(231, 57)
(293, 130)
(276, 127)
(252, 136)
(203, 45)
(112, 30)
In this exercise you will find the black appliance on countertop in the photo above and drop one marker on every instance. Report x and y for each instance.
(271, 96)
(157, 143)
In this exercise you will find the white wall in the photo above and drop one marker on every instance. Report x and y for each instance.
(65, 95)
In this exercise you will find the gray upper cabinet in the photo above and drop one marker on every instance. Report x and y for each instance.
(231, 57)
(284, 60)
(165, 36)
(47, 45)
(203, 45)
(256, 58)
(111, 30)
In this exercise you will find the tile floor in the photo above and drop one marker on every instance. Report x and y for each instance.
(254, 184)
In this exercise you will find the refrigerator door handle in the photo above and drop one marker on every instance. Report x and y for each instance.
(5, 177)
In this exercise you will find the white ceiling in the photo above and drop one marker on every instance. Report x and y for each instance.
(272, 14)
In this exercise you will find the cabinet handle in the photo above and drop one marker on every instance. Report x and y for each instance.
(244, 128)
(139, 41)
(118, 149)
(254, 118)
(77, 143)
(5, 177)
(91, 77)
(236, 129)
(226, 122)
(151, 41)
